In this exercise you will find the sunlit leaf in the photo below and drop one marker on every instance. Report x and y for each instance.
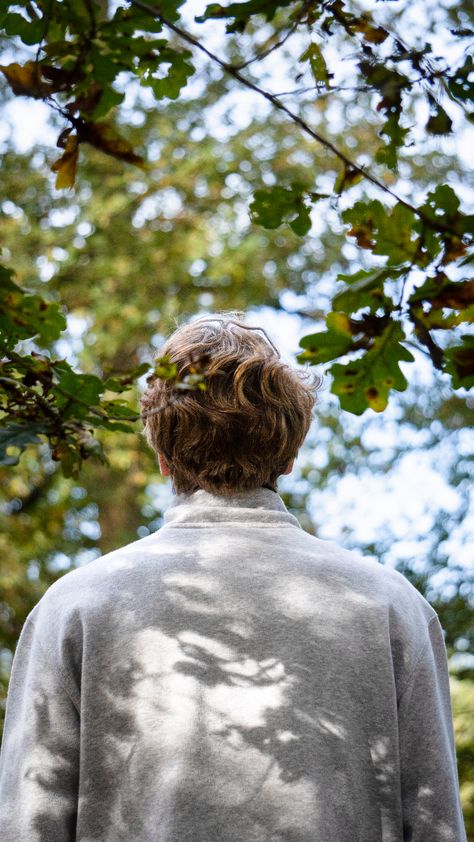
(317, 64)
(66, 165)
(26, 79)
(327, 345)
(365, 289)
(366, 382)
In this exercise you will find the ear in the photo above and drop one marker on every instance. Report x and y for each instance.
(289, 468)
(163, 466)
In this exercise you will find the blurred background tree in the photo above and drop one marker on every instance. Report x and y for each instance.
(129, 254)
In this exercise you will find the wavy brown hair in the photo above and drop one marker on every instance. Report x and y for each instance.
(243, 430)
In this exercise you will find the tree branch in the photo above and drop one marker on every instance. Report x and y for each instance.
(434, 350)
(265, 53)
(272, 98)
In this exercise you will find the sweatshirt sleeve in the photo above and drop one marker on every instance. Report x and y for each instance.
(429, 779)
(39, 760)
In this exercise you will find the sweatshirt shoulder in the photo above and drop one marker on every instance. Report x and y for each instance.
(376, 580)
(99, 579)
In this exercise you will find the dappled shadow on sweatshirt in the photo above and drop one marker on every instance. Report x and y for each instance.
(224, 703)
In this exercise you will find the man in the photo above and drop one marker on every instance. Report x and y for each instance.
(230, 678)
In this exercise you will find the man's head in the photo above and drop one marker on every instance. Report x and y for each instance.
(244, 430)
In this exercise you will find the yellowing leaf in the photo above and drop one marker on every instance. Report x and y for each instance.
(26, 79)
(346, 178)
(376, 400)
(370, 33)
(66, 165)
(339, 322)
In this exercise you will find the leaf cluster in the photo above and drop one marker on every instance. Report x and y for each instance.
(80, 53)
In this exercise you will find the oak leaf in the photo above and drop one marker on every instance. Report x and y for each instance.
(26, 79)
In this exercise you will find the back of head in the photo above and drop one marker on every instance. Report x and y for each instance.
(243, 430)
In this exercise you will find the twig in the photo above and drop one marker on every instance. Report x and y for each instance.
(265, 53)
(20, 387)
(230, 69)
(47, 18)
(326, 92)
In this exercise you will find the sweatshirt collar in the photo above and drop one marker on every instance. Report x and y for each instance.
(260, 506)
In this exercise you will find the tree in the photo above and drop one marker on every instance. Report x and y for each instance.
(130, 251)
(412, 290)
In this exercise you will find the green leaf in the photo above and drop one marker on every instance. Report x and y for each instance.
(392, 129)
(75, 393)
(327, 345)
(317, 64)
(365, 219)
(396, 237)
(241, 12)
(390, 83)
(24, 316)
(177, 76)
(366, 382)
(109, 99)
(126, 22)
(106, 65)
(393, 234)
(271, 208)
(30, 31)
(442, 202)
(460, 84)
(460, 363)
(70, 462)
(114, 426)
(366, 290)
(440, 122)
(346, 178)
(302, 222)
(442, 205)
(17, 436)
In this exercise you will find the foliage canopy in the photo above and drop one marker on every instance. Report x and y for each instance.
(415, 289)
(201, 211)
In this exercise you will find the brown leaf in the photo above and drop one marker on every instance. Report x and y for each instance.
(86, 102)
(456, 296)
(60, 78)
(66, 165)
(453, 248)
(62, 139)
(370, 33)
(363, 234)
(26, 79)
(105, 138)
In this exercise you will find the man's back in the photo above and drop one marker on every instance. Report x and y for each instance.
(231, 679)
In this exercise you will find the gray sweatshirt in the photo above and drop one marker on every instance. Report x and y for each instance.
(230, 678)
